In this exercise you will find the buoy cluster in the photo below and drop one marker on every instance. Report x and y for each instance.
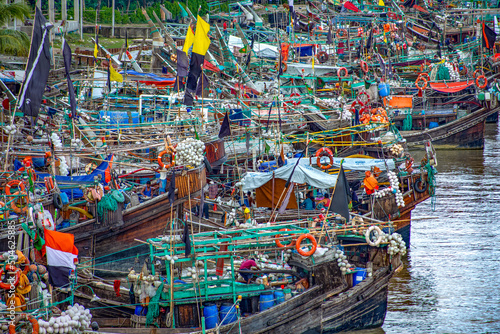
(342, 262)
(396, 243)
(76, 319)
(190, 152)
(396, 150)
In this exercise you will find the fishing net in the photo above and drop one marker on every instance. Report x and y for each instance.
(154, 307)
(443, 73)
(107, 203)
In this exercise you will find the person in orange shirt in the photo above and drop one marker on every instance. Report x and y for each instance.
(370, 183)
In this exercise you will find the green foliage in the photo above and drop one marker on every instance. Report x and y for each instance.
(13, 42)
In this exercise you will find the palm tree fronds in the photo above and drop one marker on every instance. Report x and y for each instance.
(14, 42)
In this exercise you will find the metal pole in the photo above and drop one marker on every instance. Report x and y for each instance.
(113, 19)
(82, 2)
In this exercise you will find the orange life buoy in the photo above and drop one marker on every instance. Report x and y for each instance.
(339, 72)
(160, 160)
(33, 321)
(23, 207)
(421, 87)
(14, 183)
(16, 271)
(313, 241)
(283, 66)
(320, 154)
(478, 71)
(481, 78)
(341, 33)
(364, 66)
(425, 76)
(278, 242)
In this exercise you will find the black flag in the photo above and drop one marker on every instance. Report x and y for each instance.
(37, 70)
(341, 196)
(171, 189)
(489, 37)
(329, 37)
(203, 83)
(225, 128)
(109, 77)
(182, 63)
(188, 98)
(369, 40)
(185, 239)
(67, 68)
(439, 50)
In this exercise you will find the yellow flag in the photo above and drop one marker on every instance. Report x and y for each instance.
(96, 50)
(189, 40)
(313, 62)
(114, 75)
(201, 40)
(381, 3)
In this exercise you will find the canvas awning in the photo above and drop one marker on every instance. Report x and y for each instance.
(302, 174)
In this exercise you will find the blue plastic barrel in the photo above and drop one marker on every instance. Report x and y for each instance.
(211, 315)
(64, 198)
(384, 89)
(279, 296)
(266, 300)
(433, 125)
(227, 313)
(359, 276)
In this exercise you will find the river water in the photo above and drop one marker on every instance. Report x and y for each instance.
(451, 279)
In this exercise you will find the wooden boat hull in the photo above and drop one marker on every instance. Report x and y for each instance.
(115, 241)
(317, 310)
(463, 133)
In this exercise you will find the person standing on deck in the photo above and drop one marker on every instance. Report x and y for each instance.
(248, 265)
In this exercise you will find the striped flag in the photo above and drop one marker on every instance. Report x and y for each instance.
(61, 256)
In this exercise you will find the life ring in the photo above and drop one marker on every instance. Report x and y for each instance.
(354, 104)
(369, 240)
(14, 183)
(320, 154)
(423, 86)
(339, 72)
(33, 321)
(322, 57)
(173, 58)
(23, 207)
(57, 201)
(160, 160)
(313, 241)
(358, 98)
(16, 271)
(284, 67)
(278, 242)
(341, 33)
(425, 76)
(364, 66)
(479, 79)
(478, 71)
(6, 212)
(420, 185)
